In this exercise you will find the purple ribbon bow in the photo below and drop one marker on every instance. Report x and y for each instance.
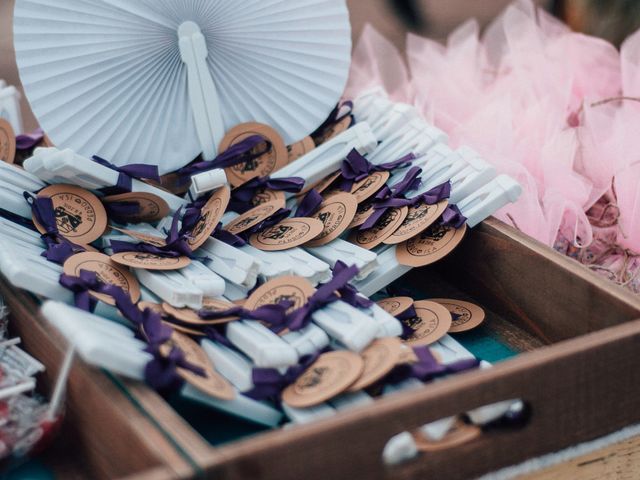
(326, 294)
(453, 217)
(394, 197)
(59, 249)
(160, 372)
(126, 175)
(269, 222)
(27, 141)
(310, 204)
(427, 367)
(241, 152)
(241, 197)
(408, 314)
(275, 315)
(349, 293)
(269, 382)
(356, 168)
(176, 243)
(228, 237)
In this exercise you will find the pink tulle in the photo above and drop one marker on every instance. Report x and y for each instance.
(535, 99)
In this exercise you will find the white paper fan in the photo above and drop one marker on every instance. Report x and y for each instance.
(107, 77)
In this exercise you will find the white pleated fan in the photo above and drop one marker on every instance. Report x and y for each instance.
(160, 81)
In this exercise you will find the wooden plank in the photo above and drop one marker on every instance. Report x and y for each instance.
(98, 416)
(570, 387)
(620, 461)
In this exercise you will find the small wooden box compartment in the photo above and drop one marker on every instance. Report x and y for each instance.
(579, 338)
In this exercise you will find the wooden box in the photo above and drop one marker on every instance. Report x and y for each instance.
(578, 337)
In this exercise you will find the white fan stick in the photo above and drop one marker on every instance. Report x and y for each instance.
(351, 327)
(265, 348)
(341, 250)
(307, 341)
(302, 416)
(10, 107)
(202, 90)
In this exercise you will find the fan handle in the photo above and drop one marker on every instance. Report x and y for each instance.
(202, 90)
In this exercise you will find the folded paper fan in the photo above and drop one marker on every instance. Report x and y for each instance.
(160, 81)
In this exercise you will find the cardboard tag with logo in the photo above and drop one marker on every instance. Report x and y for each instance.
(108, 272)
(80, 216)
(210, 216)
(296, 290)
(365, 210)
(431, 323)
(332, 374)
(460, 434)
(336, 214)
(154, 307)
(268, 196)
(253, 217)
(152, 208)
(262, 166)
(150, 261)
(7, 142)
(367, 188)
(388, 224)
(182, 329)
(395, 306)
(192, 317)
(289, 233)
(466, 315)
(430, 246)
(334, 130)
(379, 359)
(300, 149)
(213, 383)
(323, 184)
(419, 218)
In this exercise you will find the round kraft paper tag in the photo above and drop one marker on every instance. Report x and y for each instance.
(431, 323)
(80, 216)
(7, 142)
(264, 165)
(460, 434)
(182, 329)
(365, 210)
(300, 149)
(466, 315)
(253, 217)
(332, 374)
(108, 272)
(150, 261)
(289, 233)
(190, 316)
(419, 218)
(379, 359)
(334, 130)
(395, 306)
(388, 224)
(268, 196)
(212, 383)
(296, 290)
(210, 216)
(323, 184)
(430, 246)
(336, 214)
(151, 208)
(154, 307)
(367, 188)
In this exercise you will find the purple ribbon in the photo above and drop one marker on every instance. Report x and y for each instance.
(453, 217)
(427, 367)
(241, 197)
(176, 244)
(59, 249)
(160, 372)
(228, 237)
(269, 382)
(122, 211)
(408, 314)
(310, 204)
(335, 116)
(349, 293)
(27, 141)
(274, 314)
(326, 294)
(356, 168)
(394, 197)
(241, 152)
(126, 175)
(269, 222)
